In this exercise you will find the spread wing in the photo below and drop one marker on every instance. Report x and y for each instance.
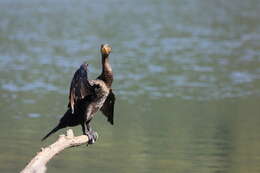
(79, 87)
(108, 107)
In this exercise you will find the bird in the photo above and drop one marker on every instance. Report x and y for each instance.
(86, 97)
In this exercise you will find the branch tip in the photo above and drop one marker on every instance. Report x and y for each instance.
(70, 134)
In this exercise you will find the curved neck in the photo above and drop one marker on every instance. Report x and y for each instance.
(107, 74)
(106, 68)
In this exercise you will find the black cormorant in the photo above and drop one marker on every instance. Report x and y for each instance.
(86, 97)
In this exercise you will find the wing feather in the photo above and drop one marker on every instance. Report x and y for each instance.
(108, 107)
(79, 87)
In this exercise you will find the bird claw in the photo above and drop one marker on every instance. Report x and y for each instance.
(92, 137)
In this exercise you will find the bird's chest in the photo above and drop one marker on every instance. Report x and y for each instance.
(101, 93)
(98, 103)
(95, 105)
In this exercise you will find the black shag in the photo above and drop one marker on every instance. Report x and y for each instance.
(86, 97)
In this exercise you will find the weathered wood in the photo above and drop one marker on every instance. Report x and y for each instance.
(38, 163)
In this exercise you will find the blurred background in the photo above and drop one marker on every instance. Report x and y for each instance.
(187, 81)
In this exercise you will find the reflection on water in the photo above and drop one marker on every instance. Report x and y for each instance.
(190, 69)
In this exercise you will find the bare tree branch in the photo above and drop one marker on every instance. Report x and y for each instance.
(38, 163)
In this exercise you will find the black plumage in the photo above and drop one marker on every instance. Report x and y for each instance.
(86, 97)
(80, 86)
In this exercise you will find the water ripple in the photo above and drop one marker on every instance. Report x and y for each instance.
(200, 59)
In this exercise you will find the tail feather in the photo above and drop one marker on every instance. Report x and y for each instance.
(69, 119)
(51, 132)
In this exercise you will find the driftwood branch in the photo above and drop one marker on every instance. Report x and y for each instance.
(38, 163)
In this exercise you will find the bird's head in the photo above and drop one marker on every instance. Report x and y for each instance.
(84, 66)
(105, 49)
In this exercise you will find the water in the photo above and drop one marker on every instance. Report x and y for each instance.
(186, 80)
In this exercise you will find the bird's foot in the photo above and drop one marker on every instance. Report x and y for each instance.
(92, 137)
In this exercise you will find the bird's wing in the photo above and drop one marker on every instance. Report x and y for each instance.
(108, 107)
(79, 87)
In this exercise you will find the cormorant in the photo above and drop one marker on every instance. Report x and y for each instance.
(86, 97)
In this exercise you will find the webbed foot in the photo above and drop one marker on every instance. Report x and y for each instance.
(92, 137)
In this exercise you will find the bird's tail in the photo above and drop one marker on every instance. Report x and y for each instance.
(51, 132)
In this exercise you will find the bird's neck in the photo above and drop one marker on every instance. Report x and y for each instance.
(107, 74)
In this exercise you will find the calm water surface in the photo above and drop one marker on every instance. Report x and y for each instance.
(187, 80)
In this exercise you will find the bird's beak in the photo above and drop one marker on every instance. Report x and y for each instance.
(106, 49)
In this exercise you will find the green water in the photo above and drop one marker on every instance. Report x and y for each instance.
(187, 81)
